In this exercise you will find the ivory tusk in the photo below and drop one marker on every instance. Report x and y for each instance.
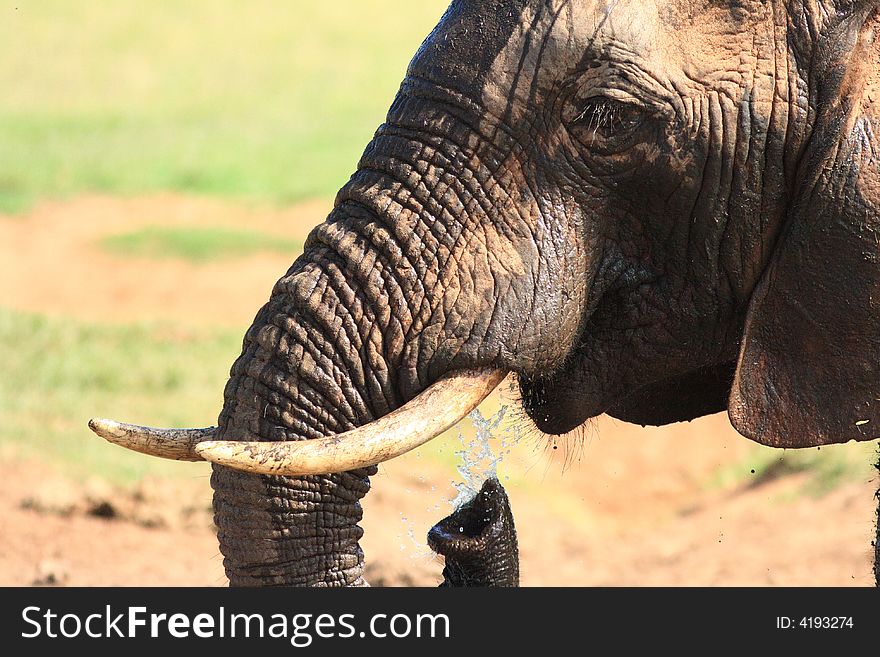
(424, 417)
(176, 444)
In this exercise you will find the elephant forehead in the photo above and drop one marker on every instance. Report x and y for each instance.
(499, 45)
(552, 37)
(688, 47)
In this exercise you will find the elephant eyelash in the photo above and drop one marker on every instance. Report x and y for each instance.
(604, 118)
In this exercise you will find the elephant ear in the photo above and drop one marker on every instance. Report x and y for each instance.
(809, 365)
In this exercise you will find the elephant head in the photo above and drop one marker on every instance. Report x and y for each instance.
(656, 209)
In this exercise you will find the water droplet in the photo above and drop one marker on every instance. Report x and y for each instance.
(478, 461)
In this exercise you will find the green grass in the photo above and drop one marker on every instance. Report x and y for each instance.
(198, 245)
(264, 100)
(58, 373)
(827, 467)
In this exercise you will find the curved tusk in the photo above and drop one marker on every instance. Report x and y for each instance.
(424, 417)
(176, 444)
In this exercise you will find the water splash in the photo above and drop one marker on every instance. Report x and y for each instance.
(478, 461)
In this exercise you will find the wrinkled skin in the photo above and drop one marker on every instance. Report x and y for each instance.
(478, 541)
(657, 209)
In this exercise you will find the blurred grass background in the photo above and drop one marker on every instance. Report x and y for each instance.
(58, 372)
(264, 102)
(260, 100)
(196, 244)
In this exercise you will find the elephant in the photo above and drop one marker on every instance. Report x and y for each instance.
(654, 209)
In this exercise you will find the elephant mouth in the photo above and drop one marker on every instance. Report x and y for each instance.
(422, 419)
(557, 407)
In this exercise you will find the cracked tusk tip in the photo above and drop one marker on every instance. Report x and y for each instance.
(106, 429)
(174, 444)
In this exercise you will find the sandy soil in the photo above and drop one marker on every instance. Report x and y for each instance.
(51, 261)
(622, 506)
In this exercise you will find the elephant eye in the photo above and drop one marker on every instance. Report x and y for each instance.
(603, 121)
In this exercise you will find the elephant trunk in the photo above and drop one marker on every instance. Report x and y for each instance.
(478, 541)
(434, 264)
(283, 531)
(394, 291)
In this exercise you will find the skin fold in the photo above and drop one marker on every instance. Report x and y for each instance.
(657, 209)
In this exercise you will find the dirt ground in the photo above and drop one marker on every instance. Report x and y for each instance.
(51, 262)
(622, 506)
